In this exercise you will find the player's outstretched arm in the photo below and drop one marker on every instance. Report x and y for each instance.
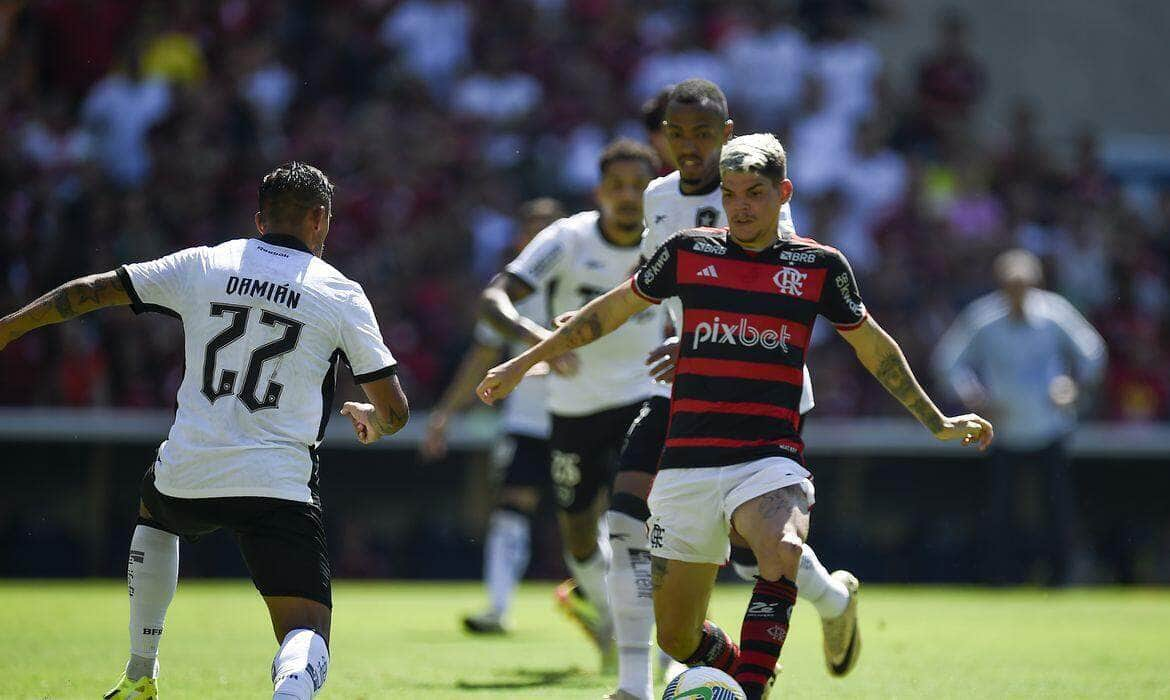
(478, 359)
(385, 415)
(597, 318)
(881, 355)
(70, 300)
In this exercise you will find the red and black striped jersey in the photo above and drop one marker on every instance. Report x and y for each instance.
(747, 319)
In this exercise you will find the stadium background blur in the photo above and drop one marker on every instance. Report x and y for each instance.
(922, 143)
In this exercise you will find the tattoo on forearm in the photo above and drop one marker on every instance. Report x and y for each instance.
(894, 374)
(391, 424)
(62, 304)
(584, 329)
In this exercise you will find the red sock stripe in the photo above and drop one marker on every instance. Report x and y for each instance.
(765, 627)
(782, 589)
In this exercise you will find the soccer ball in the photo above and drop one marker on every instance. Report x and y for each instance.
(703, 683)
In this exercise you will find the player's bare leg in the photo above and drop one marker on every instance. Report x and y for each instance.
(775, 525)
(301, 665)
(833, 595)
(682, 591)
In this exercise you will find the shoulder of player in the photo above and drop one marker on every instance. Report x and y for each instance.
(699, 238)
(573, 228)
(661, 186)
(801, 249)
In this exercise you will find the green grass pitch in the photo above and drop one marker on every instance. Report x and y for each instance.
(402, 640)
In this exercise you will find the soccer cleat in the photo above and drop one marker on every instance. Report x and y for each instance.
(485, 623)
(144, 688)
(620, 694)
(842, 633)
(589, 619)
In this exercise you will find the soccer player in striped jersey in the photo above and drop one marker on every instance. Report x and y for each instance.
(695, 124)
(733, 455)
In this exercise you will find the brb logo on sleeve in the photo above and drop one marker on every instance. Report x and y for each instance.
(741, 334)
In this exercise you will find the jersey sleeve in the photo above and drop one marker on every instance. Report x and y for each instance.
(361, 341)
(647, 247)
(543, 258)
(163, 285)
(840, 298)
(656, 279)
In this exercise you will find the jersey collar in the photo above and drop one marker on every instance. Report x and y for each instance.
(285, 241)
(705, 191)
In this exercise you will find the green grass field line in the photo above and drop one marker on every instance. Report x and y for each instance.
(67, 639)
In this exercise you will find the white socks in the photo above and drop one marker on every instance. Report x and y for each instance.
(151, 578)
(590, 574)
(813, 583)
(633, 607)
(506, 552)
(300, 666)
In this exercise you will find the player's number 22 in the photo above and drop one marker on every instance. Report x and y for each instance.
(226, 383)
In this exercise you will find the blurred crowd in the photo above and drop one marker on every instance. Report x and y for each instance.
(130, 128)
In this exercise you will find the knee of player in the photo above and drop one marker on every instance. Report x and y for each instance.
(679, 642)
(783, 552)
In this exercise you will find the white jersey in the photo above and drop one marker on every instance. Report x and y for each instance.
(577, 264)
(669, 211)
(526, 408)
(264, 324)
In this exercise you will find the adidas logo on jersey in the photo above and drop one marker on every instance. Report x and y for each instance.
(708, 271)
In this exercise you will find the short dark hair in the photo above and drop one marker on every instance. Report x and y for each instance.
(542, 207)
(291, 190)
(654, 109)
(701, 93)
(629, 149)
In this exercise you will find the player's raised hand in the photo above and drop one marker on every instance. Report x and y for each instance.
(434, 444)
(364, 420)
(500, 381)
(969, 427)
(662, 360)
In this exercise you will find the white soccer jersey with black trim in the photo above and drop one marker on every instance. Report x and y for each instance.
(577, 264)
(264, 324)
(526, 408)
(669, 211)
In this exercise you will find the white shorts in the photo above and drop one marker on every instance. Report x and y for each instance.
(690, 509)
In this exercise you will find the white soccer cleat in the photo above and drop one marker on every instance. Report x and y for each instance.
(842, 633)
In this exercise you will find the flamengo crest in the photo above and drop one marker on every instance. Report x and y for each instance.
(790, 281)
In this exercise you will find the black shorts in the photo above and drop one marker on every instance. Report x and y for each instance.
(646, 437)
(526, 462)
(584, 451)
(283, 542)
